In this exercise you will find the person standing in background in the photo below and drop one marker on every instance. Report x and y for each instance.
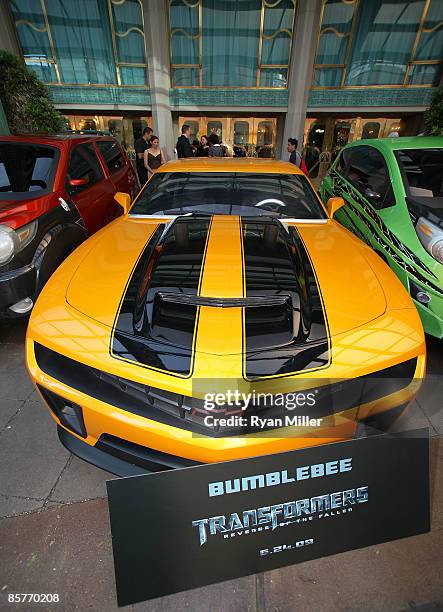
(153, 156)
(140, 146)
(215, 148)
(203, 147)
(183, 145)
(295, 156)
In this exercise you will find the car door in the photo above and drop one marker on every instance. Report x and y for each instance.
(117, 164)
(93, 192)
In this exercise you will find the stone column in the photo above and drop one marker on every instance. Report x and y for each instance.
(8, 36)
(157, 55)
(307, 24)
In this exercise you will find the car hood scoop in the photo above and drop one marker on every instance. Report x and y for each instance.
(222, 285)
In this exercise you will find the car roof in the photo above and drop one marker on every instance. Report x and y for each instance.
(52, 138)
(229, 164)
(402, 142)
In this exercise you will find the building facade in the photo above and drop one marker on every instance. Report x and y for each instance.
(254, 71)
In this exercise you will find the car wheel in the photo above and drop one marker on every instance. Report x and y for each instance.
(55, 247)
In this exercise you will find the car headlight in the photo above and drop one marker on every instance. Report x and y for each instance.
(437, 250)
(13, 241)
(431, 237)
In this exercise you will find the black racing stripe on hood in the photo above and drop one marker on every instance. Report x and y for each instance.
(292, 337)
(156, 333)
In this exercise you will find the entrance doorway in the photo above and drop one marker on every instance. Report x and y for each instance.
(242, 136)
(324, 137)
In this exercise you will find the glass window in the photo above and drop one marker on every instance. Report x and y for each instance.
(371, 129)
(277, 32)
(234, 38)
(44, 69)
(333, 42)
(367, 171)
(232, 193)
(215, 127)
(185, 32)
(81, 36)
(230, 41)
(383, 41)
(128, 22)
(327, 77)
(425, 74)
(83, 41)
(265, 133)
(84, 163)
(133, 75)
(112, 155)
(26, 168)
(129, 41)
(241, 132)
(195, 127)
(274, 77)
(374, 42)
(422, 171)
(185, 77)
(430, 45)
(335, 29)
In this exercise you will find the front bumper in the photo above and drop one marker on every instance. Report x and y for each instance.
(123, 458)
(175, 447)
(16, 285)
(120, 457)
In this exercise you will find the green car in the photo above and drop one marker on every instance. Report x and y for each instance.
(393, 192)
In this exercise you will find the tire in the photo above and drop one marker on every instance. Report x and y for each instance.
(54, 248)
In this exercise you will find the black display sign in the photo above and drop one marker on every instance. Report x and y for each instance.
(181, 529)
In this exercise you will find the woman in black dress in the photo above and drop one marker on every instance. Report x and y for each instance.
(153, 157)
(203, 148)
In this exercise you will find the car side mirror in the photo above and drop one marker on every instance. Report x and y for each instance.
(80, 182)
(333, 205)
(124, 199)
(371, 194)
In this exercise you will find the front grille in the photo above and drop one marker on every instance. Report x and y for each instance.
(188, 413)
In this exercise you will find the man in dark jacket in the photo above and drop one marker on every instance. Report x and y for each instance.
(294, 157)
(140, 145)
(183, 145)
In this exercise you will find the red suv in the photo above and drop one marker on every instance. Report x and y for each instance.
(55, 191)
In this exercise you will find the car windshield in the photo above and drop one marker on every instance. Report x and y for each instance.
(26, 170)
(422, 171)
(229, 193)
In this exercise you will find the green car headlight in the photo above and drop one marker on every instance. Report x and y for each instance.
(431, 237)
(437, 250)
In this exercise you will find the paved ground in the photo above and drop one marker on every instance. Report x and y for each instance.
(54, 525)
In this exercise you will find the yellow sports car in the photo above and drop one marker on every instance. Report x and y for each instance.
(224, 315)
